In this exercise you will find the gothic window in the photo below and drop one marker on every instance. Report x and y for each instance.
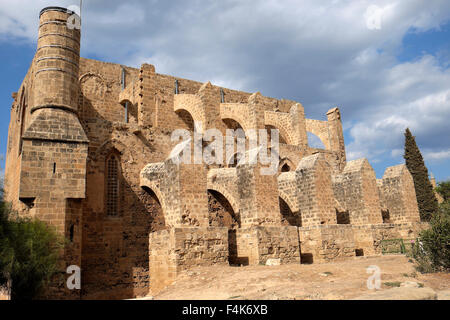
(112, 185)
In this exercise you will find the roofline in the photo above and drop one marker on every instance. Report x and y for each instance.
(60, 9)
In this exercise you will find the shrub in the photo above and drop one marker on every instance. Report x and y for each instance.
(432, 250)
(392, 284)
(29, 254)
(443, 188)
(6, 252)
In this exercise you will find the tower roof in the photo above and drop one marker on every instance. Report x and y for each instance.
(60, 9)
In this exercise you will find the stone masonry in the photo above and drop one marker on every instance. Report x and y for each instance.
(88, 152)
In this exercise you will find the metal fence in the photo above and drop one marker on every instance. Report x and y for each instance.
(397, 246)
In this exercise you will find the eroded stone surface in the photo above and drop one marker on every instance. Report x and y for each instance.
(90, 152)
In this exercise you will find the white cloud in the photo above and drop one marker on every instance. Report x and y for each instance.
(20, 18)
(395, 153)
(320, 53)
(439, 155)
(414, 95)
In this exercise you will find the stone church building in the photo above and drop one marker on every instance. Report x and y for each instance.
(88, 153)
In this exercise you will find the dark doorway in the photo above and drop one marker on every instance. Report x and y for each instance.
(153, 208)
(221, 214)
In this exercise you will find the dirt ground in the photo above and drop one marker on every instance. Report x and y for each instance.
(337, 280)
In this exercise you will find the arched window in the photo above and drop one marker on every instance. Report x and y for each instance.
(112, 185)
(285, 165)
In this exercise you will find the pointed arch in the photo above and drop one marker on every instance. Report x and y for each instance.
(240, 113)
(192, 105)
(93, 85)
(187, 118)
(320, 129)
(285, 165)
(158, 194)
(153, 177)
(288, 214)
(154, 206)
(106, 148)
(221, 211)
(227, 196)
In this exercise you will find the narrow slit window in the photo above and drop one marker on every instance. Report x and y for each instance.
(222, 96)
(126, 112)
(177, 87)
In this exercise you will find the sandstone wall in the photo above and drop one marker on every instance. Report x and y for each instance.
(255, 245)
(178, 249)
(315, 193)
(326, 243)
(399, 195)
(71, 115)
(356, 190)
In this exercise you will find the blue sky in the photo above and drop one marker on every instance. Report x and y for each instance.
(385, 64)
(435, 42)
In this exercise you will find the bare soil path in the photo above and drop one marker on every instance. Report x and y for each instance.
(337, 280)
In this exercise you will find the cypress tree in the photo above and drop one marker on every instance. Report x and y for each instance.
(426, 199)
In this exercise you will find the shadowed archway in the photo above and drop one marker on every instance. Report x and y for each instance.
(153, 207)
(221, 214)
(289, 218)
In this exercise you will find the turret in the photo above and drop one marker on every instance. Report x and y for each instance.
(56, 61)
(54, 145)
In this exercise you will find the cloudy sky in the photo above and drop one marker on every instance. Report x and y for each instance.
(385, 64)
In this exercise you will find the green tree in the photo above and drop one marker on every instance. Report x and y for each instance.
(6, 252)
(426, 199)
(443, 188)
(432, 250)
(29, 254)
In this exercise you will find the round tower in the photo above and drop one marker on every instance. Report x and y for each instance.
(56, 64)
